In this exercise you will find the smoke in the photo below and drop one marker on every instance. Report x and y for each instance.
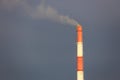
(41, 11)
(48, 12)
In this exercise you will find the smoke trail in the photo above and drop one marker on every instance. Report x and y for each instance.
(42, 11)
(48, 12)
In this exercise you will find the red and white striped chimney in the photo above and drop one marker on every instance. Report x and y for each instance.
(80, 70)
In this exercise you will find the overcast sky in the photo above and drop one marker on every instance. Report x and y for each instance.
(41, 48)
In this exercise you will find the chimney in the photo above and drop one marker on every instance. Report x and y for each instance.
(80, 70)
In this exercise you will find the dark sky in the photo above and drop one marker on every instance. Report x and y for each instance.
(41, 49)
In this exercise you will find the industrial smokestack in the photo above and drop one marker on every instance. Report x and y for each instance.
(43, 11)
(80, 70)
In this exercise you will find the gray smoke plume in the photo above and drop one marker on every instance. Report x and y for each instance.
(41, 11)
